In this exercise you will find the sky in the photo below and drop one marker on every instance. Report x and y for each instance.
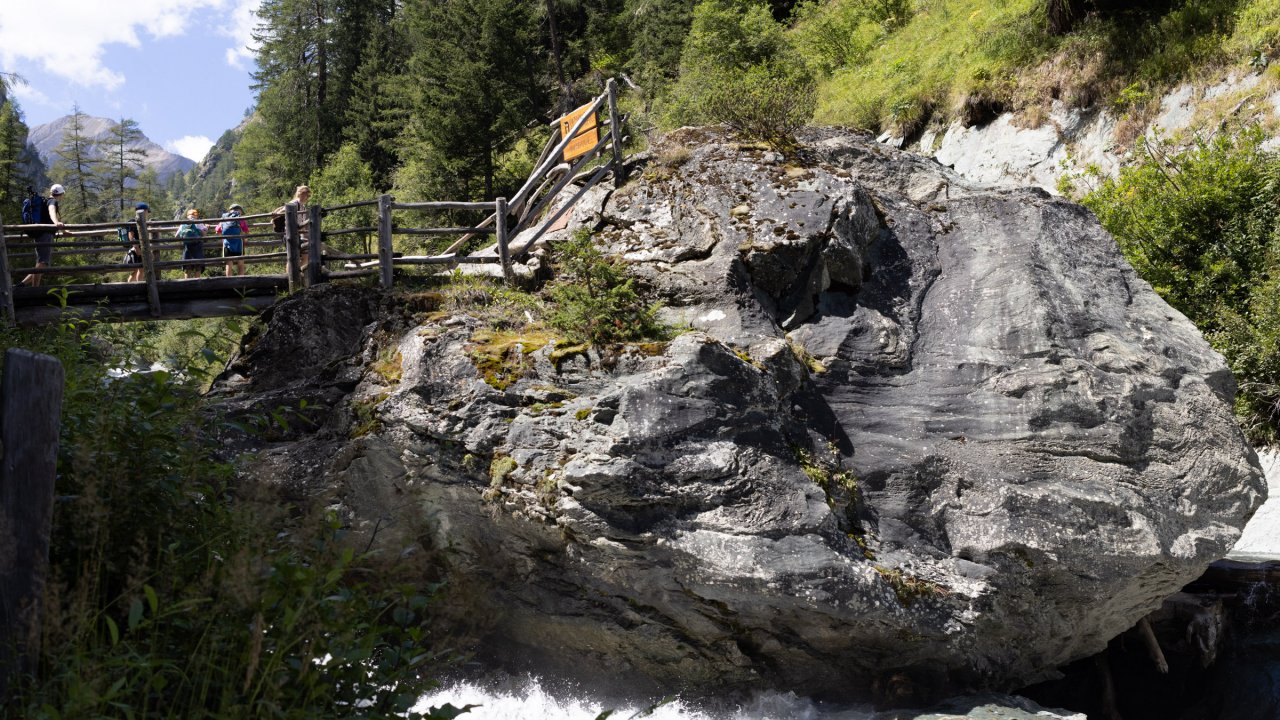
(180, 68)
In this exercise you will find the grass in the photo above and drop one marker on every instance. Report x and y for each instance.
(952, 56)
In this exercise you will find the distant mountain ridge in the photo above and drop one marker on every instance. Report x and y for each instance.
(45, 139)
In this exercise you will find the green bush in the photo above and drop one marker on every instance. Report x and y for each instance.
(1201, 226)
(594, 301)
(738, 68)
(178, 590)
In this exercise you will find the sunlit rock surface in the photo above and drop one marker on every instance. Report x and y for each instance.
(921, 437)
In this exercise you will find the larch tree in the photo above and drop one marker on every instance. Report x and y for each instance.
(79, 168)
(123, 159)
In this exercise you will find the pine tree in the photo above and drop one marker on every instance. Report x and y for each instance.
(123, 158)
(13, 139)
(79, 169)
(479, 80)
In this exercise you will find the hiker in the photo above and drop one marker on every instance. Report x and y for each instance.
(192, 234)
(233, 228)
(44, 240)
(134, 255)
(299, 204)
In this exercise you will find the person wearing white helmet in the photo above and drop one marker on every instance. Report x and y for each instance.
(44, 241)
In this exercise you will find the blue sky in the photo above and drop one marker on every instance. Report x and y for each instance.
(181, 68)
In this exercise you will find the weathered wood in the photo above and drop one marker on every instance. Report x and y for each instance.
(348, 206)
(615, 129)
(159, 264)
(520, 251)
(315, 255)
(6, 282)
(545, 198)
(504, 254)
(552, 160)
(149, 272)
(30, 411)
(351, 231)
(447, 260)
(385, 251)
(89, 293)
(441, 205)
(140, 311)
(292, 248)
(443, 231)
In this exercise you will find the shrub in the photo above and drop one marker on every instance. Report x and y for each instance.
(594, 300)
(177, 590)
(1200, 225)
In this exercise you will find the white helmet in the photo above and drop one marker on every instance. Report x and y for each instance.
(57, 189)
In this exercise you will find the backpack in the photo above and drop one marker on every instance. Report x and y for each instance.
(189, 230)
(229, 227)
(122, 232)
(35, 210)
(277, 218)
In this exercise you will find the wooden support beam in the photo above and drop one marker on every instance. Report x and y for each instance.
(292, 247)
(315, 255)
(6, 282)
(504, 255)
(385, 252)
(615, 129)
(150, 274)
(140, 311)
(30, 413)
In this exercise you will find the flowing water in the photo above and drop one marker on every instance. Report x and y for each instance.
(530, 699)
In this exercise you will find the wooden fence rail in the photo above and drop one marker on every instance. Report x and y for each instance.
(296, 257)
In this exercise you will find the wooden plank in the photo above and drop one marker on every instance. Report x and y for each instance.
(348, 206)
(227, 286)
(552, 160)
(385, 251)
(150, 274)
(586, 134)
(30, 413)
(549, 196)
(140, 311)
(315, 238)
(6, 284)
(615, 129)
(520, 251)
(443, 231)
(447, 260)
(441, 205)
(504, 255)
(292, 247)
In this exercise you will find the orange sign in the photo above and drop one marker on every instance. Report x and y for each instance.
(587, 136)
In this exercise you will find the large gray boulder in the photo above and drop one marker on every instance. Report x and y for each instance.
(920, 437)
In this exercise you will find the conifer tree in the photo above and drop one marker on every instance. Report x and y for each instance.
(13, 139)
(479, 80)
(123, 159)
(79, 169)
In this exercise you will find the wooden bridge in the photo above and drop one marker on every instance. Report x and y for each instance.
(582, 151)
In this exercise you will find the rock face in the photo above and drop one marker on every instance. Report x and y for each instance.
(920, 437)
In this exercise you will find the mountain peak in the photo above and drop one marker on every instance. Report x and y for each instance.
(45, 139)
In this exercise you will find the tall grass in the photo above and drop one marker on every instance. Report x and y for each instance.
(180, 590)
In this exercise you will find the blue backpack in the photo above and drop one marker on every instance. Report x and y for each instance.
(35, 210)
(230, 231)
(188, 230)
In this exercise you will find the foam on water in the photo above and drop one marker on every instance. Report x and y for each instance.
(529, 700)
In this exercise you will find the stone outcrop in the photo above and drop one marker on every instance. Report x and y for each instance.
(919, 436)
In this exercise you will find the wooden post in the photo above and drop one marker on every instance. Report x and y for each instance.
(148, 265)
(6, 282)
(615, 130)
(30, 411)
(500, 224)
(315, 249)
(292, 247)
(385, 255)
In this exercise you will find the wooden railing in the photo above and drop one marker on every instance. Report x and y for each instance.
(279, 255)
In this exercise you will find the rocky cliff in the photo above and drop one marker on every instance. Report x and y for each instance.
(919, 437)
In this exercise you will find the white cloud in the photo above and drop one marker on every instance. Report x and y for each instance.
(190, 146)
(70, 42)
(243, 22)
(29, 95)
